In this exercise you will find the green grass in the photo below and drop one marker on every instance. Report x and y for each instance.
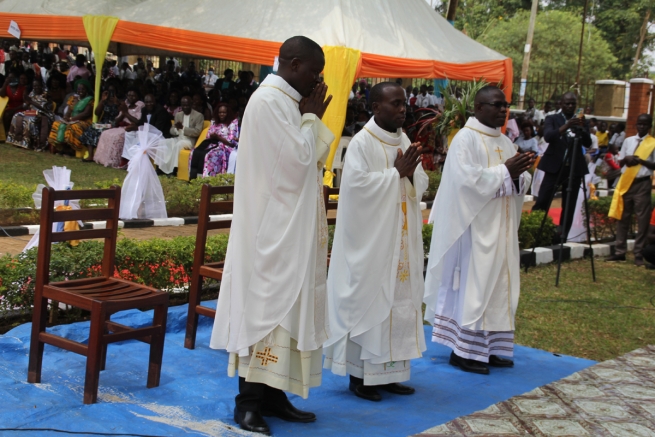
(26, 167)
(596, 320)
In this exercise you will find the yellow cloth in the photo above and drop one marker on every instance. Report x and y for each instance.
(3, 105)
(341, 67)
(603, 138)
(99, 29)
(70, 225)
(625, 182)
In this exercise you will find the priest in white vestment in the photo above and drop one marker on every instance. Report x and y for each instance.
(375, 281)
(271, 315)
(186, 128)
(472, 281)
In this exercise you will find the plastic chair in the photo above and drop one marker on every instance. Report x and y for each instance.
(201, 269)
(102, 296)
(3, 105)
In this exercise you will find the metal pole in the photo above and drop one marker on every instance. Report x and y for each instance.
(577, 76)
(526, 53)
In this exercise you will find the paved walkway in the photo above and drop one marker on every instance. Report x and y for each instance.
(615, 398)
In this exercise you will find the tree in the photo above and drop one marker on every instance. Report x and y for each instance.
(619, 22)
(476, 17)
(555, 44)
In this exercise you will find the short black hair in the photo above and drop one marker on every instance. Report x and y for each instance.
(377, 91)
(299, 47)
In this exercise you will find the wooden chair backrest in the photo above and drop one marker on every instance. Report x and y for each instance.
(49, 216)
(207, 209)
(327, 192)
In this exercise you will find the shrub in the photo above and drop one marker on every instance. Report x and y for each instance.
(434, 179)
(14, 196)
(182, 198)
(529, 228)
(163, 264)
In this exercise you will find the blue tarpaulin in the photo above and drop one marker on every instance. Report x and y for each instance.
(196, 397)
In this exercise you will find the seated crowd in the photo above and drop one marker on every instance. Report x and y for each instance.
(50, 108)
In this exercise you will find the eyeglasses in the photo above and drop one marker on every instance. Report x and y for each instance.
(498, 105)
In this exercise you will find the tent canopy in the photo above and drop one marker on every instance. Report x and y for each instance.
(396, 39)
(370, 38)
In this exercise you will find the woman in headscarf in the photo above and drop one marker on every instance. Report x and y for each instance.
(66, 134)
(30, 129)
(107, 110)
(14, 88)
(212, 156)
(110, 145)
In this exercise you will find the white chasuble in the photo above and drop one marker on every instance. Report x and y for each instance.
(472, 281)
(375, 281)
(271, 312)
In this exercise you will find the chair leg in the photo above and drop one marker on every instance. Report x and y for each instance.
(94, 353)
(39, 318)
(195, 290)
(103, 355)
(157, 346)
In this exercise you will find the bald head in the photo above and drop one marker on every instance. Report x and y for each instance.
(301, 62)
(568, 103)
(488, 93)
(378, 92)
(299, 47)
(490, 106)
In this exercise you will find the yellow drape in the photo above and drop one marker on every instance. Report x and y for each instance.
(99, 29)
(628, 177)
(341, 67)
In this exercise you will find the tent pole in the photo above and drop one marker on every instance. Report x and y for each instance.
(577, 76)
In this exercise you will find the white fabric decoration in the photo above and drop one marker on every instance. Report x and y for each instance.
(142, 196)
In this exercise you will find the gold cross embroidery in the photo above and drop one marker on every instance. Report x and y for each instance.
(266, 356)
(499, 150)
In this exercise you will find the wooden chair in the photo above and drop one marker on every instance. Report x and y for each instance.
(101, 296)
(201, 269)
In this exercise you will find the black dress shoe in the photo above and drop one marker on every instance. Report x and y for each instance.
(496, 361)
(286, 411)
(468, 365)
(251, 421)
(367, 392)
(397, 388)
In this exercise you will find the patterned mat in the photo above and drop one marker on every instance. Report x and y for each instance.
(614, 398)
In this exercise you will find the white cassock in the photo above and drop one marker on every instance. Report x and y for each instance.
(175, 145)
(472, 282)
(375, 282)
(271, 314)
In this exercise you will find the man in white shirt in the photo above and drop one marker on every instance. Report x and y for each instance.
(633, 191)
(619, 136)
(423, 98)
(435, 101)
(210, 79)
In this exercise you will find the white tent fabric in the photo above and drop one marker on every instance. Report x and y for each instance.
(402, 29)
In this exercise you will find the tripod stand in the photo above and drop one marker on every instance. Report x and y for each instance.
(571, 158)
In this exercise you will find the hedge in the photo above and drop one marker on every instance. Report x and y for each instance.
(182, 198)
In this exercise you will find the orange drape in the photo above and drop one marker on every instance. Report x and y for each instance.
(53, 28)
